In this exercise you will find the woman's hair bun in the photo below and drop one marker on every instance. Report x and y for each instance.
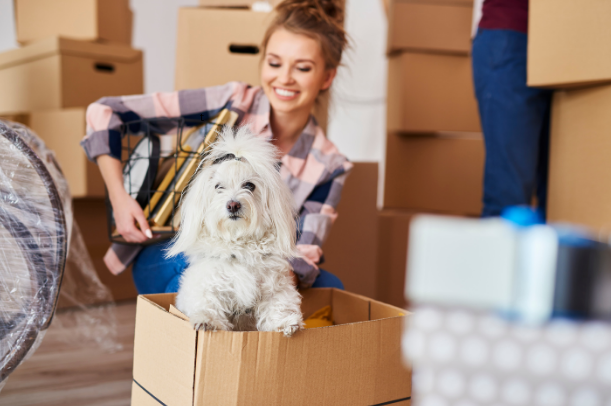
(330, 10)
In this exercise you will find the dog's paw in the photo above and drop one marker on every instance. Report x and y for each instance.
(202, 327)
(288, 331)
(210, 325)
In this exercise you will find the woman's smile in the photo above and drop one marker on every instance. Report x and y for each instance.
(285, 94)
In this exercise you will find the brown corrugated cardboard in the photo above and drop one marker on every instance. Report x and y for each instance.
(235, 3)
(23, 118)
(430, 93)
(434, 173)
(59, 73)
(355, 362)
(91, 20)
(580, 169)
(216, 46)
(350, 250)
(430, 26)
(393, 232)
(62, 131)
(567, 43)
(233, 37)
(90, 214)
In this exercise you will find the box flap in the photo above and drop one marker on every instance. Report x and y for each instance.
(59, 45)
(379, 310)
(349, 307)
(314, 299)
(164, 351)
(176, 312)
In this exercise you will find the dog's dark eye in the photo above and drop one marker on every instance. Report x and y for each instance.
(249, 185)
(218, 186)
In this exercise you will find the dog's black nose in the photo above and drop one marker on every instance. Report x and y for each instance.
(233, 206)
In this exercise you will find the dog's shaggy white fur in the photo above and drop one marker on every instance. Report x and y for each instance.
(238, 231)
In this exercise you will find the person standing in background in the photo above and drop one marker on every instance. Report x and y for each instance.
(514, 117)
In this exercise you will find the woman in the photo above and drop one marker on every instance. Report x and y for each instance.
(302, 50)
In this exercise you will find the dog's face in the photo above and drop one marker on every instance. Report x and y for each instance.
(237, 196)
(237, 204)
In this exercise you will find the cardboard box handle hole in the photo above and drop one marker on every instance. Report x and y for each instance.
(243, 49)
(104, 67)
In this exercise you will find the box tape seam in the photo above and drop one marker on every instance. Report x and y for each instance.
(393, 401)
(161, 403)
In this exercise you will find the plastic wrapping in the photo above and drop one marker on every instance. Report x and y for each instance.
(33, 246)
(36, 229)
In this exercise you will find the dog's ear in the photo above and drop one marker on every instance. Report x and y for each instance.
(192, 210)
(280, 204)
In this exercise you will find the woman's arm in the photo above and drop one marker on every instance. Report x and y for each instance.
(316, 218)
(102, 143)
(126, 210)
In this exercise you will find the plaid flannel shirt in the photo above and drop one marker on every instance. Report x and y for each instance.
(314, 169)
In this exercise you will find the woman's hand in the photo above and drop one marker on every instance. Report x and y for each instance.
(126, 210)
(127, 213)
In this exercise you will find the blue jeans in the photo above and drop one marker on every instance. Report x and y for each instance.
(515, 122)
(153, 273)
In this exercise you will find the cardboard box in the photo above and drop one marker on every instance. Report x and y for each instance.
(579, 189)
(91, 20)
(350, 249)
(431, 92)
(233, 37)
(235, 3)
(90, 214)
(216, 46)
(23, 118)
(355, 362)
(567, 43)
(62, 131)
(393, 238)
(59, 73)
(434, 173)
(430, 26)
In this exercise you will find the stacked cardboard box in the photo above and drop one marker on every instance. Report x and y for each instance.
(73, 53)
(567, 51)
(434, 147)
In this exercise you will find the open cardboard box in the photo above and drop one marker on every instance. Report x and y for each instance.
(355, 362)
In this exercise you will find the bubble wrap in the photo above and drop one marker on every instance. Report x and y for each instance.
(36, 230)
(33, 246)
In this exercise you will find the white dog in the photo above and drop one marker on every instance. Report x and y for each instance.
(238, 231)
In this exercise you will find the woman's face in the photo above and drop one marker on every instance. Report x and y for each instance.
(293, 71)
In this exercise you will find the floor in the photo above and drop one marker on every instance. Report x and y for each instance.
(75, 368)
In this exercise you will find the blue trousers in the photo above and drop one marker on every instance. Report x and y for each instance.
(515, 122)
(155, 274)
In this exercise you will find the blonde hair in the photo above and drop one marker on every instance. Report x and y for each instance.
(322, 20)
